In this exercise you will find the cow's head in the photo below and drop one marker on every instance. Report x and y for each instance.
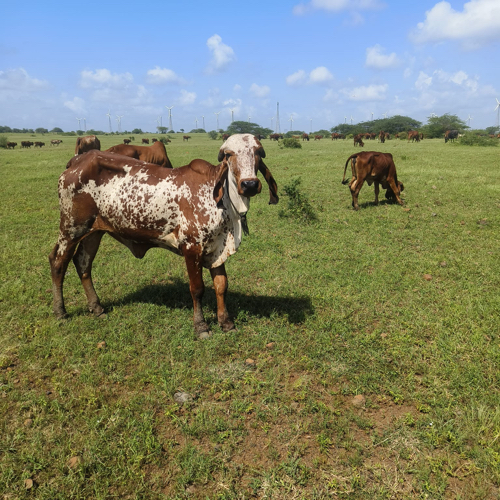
(389, 194)
(244, 154)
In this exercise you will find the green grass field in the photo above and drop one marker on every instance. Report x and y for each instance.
(365, 363)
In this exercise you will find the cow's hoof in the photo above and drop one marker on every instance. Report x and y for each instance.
(227, 326)
(204, 335)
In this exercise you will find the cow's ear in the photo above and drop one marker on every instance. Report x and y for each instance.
(273, 187)
(221, 154)
(220, 180)
(261, 152)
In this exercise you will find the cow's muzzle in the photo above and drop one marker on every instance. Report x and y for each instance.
(250, 187)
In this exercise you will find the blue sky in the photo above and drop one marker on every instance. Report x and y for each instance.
(324, 61)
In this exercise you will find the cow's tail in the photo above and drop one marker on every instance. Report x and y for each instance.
(344, 180)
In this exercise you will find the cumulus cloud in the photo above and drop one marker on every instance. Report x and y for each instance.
(159, 76)
(376, 59)
(186, 98)
(337, 6)
(19, 81)
(222, 54)
(259, 90)
(319, 75)
(367, 93)
(477, 24)
(104, 78)
(423, 81)
(77, 105)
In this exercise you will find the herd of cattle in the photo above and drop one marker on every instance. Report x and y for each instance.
(197, 211)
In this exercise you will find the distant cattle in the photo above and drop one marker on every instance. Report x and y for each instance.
(11, 145)
(413, 136)
(335, 136)
(196, 211)
(305, 137)
(87, 143)
(225, 137)
(126, 141)
(450, 135)
(275, 137)
(154, 140)
(358, 139)
(186, 137)
(55, 142)
(377, 168)
(156, 153)
(39, 144)
(296, 137)
(318, 137)
(26, 144)
(145, 141)
(381, 136)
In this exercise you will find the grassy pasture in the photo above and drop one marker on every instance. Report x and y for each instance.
(373, 338)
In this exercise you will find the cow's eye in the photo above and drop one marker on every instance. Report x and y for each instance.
(228, 156)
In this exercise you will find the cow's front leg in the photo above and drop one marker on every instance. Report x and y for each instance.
(219, 278)
(377, 190)
(197, 289)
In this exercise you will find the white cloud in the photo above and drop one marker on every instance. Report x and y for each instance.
(377, 60)
(259, 90)
(222, 54)
(423, 81)
(319, 75)
(476, 25)
(77, 105)
(186, 98)
(237, 88)
(297, 78)
(158, 76)
(19, 81)
(104, 78)
(367, 93)
(337, 6)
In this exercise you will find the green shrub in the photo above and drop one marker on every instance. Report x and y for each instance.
(3, 141)
(403, 136)
(213, 134)
(470, 139)
(291, 143)
(298, 206)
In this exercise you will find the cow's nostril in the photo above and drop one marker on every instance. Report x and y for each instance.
(250, 187)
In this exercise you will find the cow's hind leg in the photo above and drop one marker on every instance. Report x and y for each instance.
(59, 259)
(355, 189)
(197, 289)
(395, 189)
(83, 260)
(219, 278)
(377, 190)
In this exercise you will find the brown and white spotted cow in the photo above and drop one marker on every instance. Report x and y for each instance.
(195, 211)
(87, 143)
(374, 168)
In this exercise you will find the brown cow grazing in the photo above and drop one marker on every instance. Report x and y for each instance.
(275, 137)
(335, 136)
(195, 211)
(225, 137)
(318, 137)
(126, 141)
(55, 142)
(154, 140)
(413, 136)
(373, 167)
(358, 139)
(381, 136)
(39, 144)
(26, 144)
(87, 143)
(450, 135)
(156, 153)
(186, 137)
(11, 145)
(145, 141)
(305, 137)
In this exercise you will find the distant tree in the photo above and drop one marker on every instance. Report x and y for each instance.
(57, 130)
(438, 125)
(242, 127)
(198, 131)
(171, 132)
(162, 130)
(491, 130)
(41, 130)
(294, 132)
(4, 129)
(137, 131)
(80, 132)
(94, 132)
(182, 130)
(213, 135)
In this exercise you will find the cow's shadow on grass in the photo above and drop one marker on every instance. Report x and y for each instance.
(174, 294)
